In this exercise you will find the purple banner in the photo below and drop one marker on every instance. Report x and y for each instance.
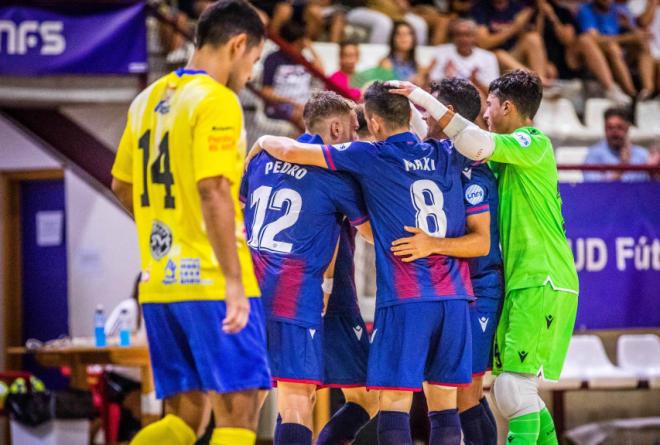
(614, 231)
(108, 39)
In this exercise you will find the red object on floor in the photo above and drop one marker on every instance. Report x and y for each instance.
(110, 412)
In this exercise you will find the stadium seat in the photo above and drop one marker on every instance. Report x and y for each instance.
(571, 155)
(267, 125)
(648, 116)
(593, 114)
(641, 355)
(557, 118)
(587, 360)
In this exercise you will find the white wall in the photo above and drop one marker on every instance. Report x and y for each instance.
(102, 254)
(101, 240)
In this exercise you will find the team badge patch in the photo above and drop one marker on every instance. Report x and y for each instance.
(474, 194)
(342, 147)
(523, 139)
(160, 240)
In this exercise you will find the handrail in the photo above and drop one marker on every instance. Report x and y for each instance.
(606, 167)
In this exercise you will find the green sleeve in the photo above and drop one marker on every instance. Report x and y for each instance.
(525, 147)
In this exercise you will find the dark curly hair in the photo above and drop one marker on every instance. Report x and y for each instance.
(393, 108)
(460, 94)
(521, 87)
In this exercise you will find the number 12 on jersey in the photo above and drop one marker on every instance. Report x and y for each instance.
(263, 236)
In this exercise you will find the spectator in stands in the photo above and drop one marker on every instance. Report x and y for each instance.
(614, 31)
(379, 16)
(616, 149)
(287, 84)
(437, 22)
(402, 59)
(647, 15)
(505, 27)
(349, 56)
(186, 12)
(567, 52)
(462, 58)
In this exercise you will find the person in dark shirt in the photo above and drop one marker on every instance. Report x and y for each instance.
(557, 26)
(506, 28)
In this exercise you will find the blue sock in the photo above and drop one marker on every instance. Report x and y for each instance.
(489, 413)
(394, 428)
(294, 434)
(445, 427)
(278, 424)
(344, 425)
(477, 428)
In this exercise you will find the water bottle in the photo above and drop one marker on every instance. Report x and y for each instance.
(124, 328)
(99, 326)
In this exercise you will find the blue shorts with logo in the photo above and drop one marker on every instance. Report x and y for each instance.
(484, 316)
(345, 350)
(190, 352)
(295, 352)
(421, 341)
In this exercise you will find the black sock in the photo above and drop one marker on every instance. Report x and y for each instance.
(278, 423)
(394, 428)
(473, 421)
(344, 425)
(445, 427)
(294, 434)
(489, 413)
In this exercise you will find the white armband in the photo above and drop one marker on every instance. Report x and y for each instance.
(474, 143)
(327, 285)
(417, 123)
(428, 102)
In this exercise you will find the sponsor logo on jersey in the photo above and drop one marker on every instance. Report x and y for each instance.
(474, 194)
(342, 147)
(523, 355)
(548, 320)
(523, 139)
(190, 271)
(170, 272)
(160, 240)
(373, 335)
(467, 172)
(483, 321)
(312, 332)
(358, 331)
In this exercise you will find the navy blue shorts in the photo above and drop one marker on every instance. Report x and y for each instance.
(423, 341)
(295, 352)
(345, 350)
(190, 352)
(484, 318)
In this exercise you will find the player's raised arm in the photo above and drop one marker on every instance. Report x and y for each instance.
(471, 141)
(475, 243)
(289, 150)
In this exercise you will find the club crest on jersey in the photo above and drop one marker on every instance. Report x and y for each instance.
(160, 240)
(523, 139)
(474, 194)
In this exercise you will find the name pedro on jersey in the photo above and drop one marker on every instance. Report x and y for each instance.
(285, 168)
(425, 164)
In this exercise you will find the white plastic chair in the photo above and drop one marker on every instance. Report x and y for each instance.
(648, 121)
(557, 118)
(640, 354)
(571, 155)
(586, 359)
(594, 111)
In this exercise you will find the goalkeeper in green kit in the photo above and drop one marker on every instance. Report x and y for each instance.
(541, 285)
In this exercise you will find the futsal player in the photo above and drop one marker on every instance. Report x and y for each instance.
(293, 215)
(541, 284)
(178, 169)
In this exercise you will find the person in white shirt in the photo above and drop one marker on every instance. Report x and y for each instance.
(462, 58)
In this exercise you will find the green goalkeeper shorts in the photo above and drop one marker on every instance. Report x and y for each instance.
(534, 331)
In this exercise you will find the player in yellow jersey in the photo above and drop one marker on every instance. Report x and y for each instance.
(178, 169)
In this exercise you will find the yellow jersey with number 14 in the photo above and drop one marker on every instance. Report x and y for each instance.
(183, 128)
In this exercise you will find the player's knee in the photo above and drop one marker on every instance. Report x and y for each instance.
(368, 400)
(516, 394)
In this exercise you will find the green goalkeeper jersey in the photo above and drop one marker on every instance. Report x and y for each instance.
(534, 245)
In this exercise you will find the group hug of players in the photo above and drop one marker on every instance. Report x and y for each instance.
(247, 264)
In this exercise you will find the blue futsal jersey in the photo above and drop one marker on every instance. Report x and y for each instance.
(292, 218)
(406, 182)
(343, 299)
(480, 194)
